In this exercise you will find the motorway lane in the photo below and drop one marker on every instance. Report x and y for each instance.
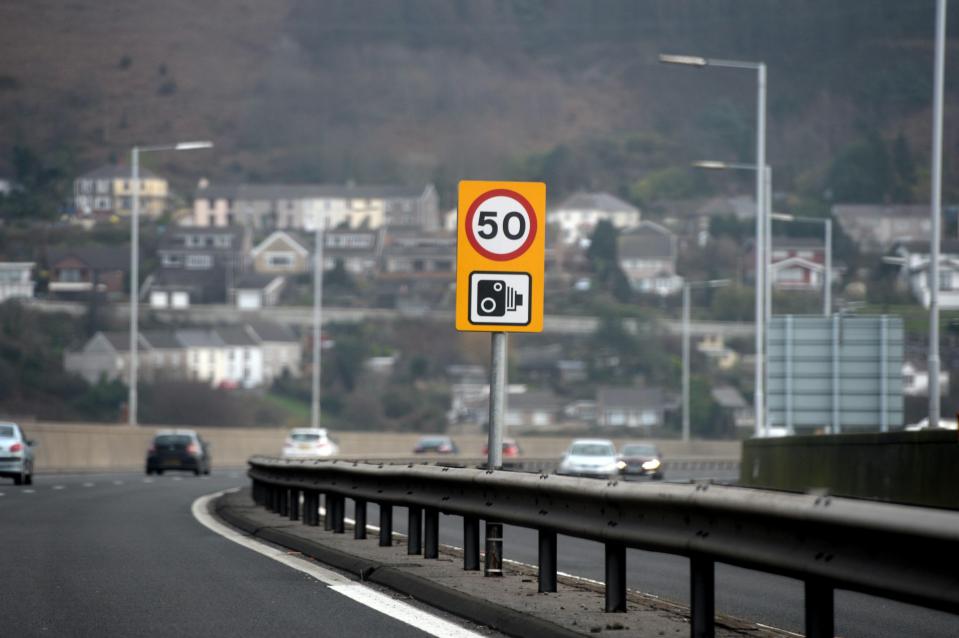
(772, 600)
(122, 555)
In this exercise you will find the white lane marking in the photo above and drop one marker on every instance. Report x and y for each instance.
(58, 487)
(177, 478)
(147, 480)
(396, 609)
(785, 631)
(89, 484)
(28, 491)
(118, 482)
(2, 494)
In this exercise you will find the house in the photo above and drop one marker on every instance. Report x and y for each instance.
(714, 347)
(201, 263)
(283, 252)
(106, 356)
(877, 227)
(739, 412)
(244, 357)
(206, 356)
(282, 349)
(16, 280)
(647, 256)
(164, 355)
(77, 270)
(578, 215)
(797, 263)
(358, 250)
(108, 190)
(253, 291)
(303, 207)
(914, 271)
(533, 409)
(915, 379)
(632, 407)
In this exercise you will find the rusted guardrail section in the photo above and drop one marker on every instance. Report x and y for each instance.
(899, 552)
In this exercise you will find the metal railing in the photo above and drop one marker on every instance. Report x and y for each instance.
(898, 552)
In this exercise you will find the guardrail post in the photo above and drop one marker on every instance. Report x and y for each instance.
(339, 513)
(471, 543)
(615, 577)
(311, 508)
(294, 504)
(431, 545)
(414, 530)
(820, 609)
(271, 498)
(255, 492)
(359, 519)
(702, 594)
(386, 524)
(284, 501)
(547, 561)
(327, 511)
(494, 549)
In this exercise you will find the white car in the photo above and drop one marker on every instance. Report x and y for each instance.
(16, 454)
(309, 443)
(944, 424)
(590, 457)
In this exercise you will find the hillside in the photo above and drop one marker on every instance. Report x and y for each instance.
(385, 90)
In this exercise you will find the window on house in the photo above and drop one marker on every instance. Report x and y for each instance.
(199, 262)
(279, 260)
(72, 275)
(222, 241)
(172, 260)
(101, 203)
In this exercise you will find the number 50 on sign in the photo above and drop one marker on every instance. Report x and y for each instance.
(500, 256)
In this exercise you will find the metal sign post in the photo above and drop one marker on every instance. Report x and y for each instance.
(500, 267)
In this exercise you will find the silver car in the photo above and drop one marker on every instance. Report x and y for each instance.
(590, 457)
(16, 454)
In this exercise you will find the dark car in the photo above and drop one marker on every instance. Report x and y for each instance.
(178, 450)
(641, 460)
(511, 449)
(435, 445)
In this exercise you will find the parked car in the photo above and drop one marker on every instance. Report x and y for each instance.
(590, 457)
(511, 449)
(178, 450)
(641, 459)
(435, 445)
(309, 443)
(16, 454)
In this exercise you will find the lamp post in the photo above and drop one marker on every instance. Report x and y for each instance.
(135, 262)
(939, 72)
(763, 267)
(827, 229)
(317, 319)
(712, 283)
(761, 309)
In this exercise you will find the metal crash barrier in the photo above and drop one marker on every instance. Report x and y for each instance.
(898, 552)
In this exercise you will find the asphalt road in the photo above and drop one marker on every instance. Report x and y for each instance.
(122, 555)
(772, 600)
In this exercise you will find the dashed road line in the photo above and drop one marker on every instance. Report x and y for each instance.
(118, 482)
(28, 491)
(89, 484)
(58, 487)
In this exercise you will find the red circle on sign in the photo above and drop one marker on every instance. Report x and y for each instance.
(500, 192)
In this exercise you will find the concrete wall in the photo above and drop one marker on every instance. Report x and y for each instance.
(920, 468)
(66, 447)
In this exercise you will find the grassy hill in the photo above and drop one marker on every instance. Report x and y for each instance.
(384, 90)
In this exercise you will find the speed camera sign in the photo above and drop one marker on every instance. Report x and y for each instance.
(500, 256)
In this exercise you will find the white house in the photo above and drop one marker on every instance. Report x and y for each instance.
(915, 379)
(206, 356)
(647, 256)
(244, 357)
(16, 280)
(578, 215)
(913, 258)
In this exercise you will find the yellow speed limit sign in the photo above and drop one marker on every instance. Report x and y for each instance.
(500, 256)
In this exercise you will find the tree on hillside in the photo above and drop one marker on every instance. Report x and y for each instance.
(603, 258)
(41, 185)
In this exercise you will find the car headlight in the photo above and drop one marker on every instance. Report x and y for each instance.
(652, 464)
(621, 465)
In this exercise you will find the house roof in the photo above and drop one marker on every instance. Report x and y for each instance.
(236, 336)
(781, 242)
(270, 331)
(96, 256)
(629, 397)
(161, 339)
(119, 340)
(596, 201)
(729, 397)
(800, 262)
(294, 240)
(173, 238)
(272, 192)
(115, 171)
(647, 240)
(199, 338)
(880, 210)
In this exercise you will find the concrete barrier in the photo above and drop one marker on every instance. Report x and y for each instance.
(917, 468)
(68, 447)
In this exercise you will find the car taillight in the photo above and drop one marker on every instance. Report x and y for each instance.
(152, 449)
(16, 447)
(445, 448)
(192, 449)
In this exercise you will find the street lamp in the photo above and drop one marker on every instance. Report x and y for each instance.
(135, 261)
(712, 283)
(761, 180)
(763, 266)
(827, 227)
(317, 319)
(938, 73)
